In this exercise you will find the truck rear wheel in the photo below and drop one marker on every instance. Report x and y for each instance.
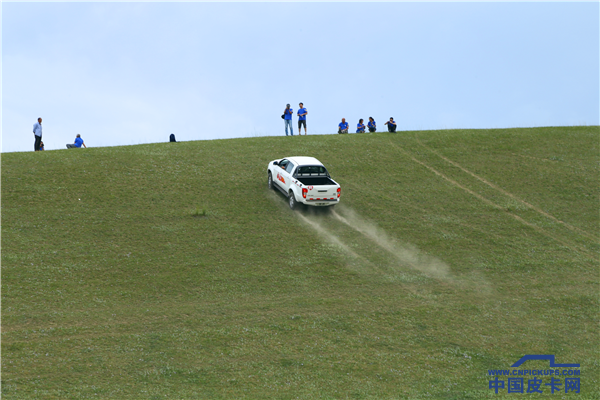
(292, 201)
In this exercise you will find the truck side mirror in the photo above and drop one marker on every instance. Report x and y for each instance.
(275, 163)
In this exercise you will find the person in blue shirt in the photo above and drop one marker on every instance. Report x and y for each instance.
(360, 128)
(343, 126)
(301, 119)
(78, 143)
(391, 125)
(371, 125)
(287, 117)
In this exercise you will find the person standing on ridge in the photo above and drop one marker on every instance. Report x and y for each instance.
(287, 117)
(37, 134)
(391, 125)
(301, 119)
(372, 126)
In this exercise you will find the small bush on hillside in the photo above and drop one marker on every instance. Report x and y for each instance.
(198, 212)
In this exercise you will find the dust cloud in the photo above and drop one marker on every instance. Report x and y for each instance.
(401, 255)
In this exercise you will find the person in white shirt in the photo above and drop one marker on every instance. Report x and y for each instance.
(37, 133)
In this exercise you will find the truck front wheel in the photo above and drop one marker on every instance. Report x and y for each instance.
(270, 181)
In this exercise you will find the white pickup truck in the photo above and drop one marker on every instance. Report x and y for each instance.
(303, 180)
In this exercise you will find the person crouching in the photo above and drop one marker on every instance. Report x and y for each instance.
(343, 126)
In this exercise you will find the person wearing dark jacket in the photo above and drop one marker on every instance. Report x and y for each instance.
(391, 125)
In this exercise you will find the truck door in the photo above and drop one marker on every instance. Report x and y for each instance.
(287, 176)
(280, 176)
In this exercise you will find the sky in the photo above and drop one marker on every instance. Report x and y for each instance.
(130, 73)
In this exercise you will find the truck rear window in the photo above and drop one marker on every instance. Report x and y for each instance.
(312, 170)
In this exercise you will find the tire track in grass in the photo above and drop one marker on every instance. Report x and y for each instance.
(330, 237)
(565, 243)
(512, 196)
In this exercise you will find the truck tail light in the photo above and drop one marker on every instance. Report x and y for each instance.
(304, 191)
(339, 192)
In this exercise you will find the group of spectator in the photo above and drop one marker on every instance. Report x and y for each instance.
(287, 117)
(343, 127)
(371, 125)
(38, 145)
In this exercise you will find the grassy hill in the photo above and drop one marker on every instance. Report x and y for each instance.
(171, 271)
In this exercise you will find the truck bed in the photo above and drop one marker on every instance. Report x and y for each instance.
(316, 181)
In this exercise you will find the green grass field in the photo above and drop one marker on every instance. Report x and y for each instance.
(169, 270)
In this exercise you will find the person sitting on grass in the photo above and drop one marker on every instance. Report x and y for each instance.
(360, 128)
(78, 143)
(371, 125)
(343, 126)
(391, 125)
(41, 146)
